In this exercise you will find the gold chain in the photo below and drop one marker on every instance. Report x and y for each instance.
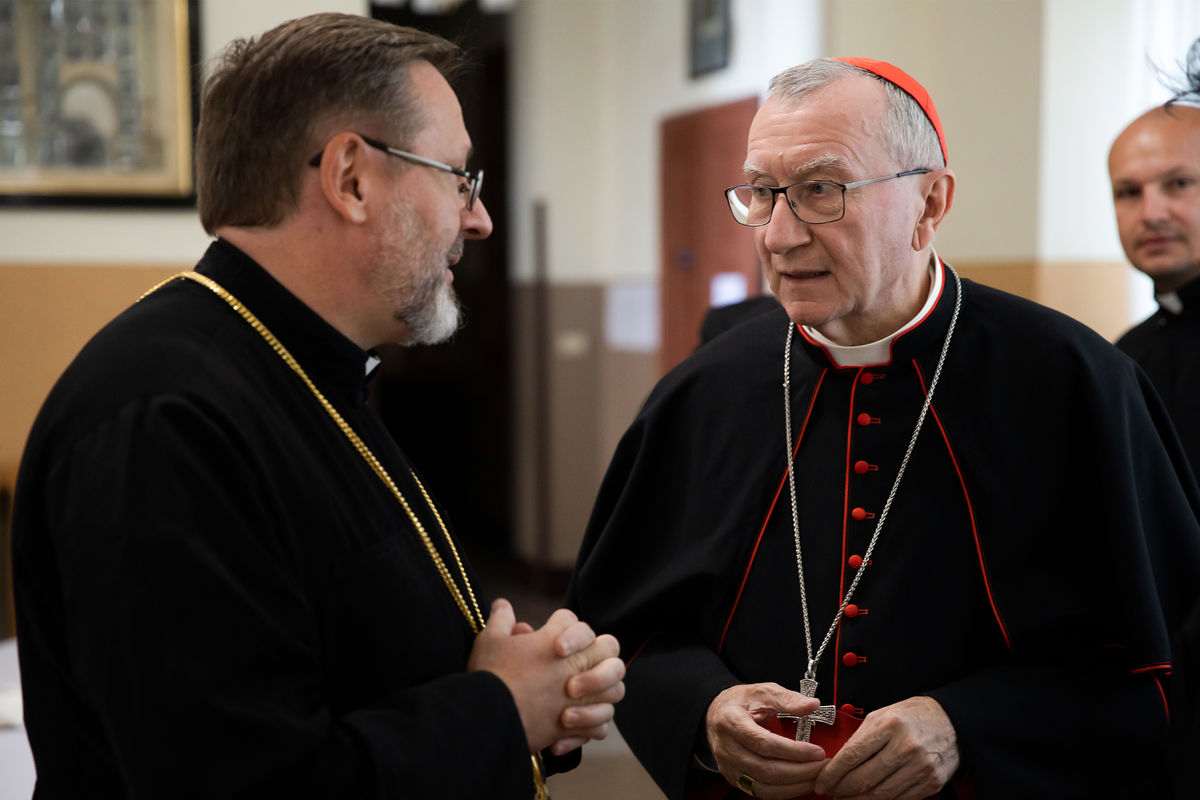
(476, 621)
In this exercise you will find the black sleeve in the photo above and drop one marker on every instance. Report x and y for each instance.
(1054, 731)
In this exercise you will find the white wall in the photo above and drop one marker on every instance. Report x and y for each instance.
(592, 81)
(1098, 76)
(146, 236)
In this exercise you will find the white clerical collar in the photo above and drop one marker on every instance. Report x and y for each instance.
(1170, 302)
(373, 361)
(879, 352)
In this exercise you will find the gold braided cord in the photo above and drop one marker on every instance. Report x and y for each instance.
(476, 621)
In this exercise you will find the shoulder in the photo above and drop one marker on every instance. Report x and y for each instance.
(1142, 336)
(162, 346)
(1014, 325)
(731, 361)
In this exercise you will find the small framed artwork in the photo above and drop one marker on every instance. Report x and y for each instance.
(98, 101)
(709, 27)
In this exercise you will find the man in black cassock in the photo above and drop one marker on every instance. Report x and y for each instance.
(230, 581)
(907, 535)
(1154, 165)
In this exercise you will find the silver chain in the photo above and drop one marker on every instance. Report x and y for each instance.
(810, 672)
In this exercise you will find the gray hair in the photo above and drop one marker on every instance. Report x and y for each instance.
(907, 133)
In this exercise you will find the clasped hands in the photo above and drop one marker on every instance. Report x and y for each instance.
(905, 751)
(562, 676)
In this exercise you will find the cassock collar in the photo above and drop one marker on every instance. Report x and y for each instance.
(922, 330)
(1184, 299)
(330, 359)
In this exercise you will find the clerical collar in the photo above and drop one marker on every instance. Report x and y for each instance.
(330, 358)
(879, 352)
(1170, 302)
(1185, 298)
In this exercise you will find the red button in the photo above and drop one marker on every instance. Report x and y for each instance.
(850, 659)
(855, 561)
(851, 709)
(867, 378)
(862, 467)
(860, 514)
(864, 418)
(851, 610)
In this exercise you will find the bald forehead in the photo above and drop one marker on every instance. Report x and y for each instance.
(1181, 122)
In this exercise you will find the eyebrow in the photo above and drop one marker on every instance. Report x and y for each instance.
(824, 161)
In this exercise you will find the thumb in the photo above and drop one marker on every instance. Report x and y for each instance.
(502, 618)
(786, 701)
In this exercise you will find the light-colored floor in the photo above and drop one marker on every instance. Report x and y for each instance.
(16, 763)
(608, 772)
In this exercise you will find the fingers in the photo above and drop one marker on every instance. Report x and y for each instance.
(577, 719)
(866, 742)
(522, 627)
(502, 618)
(564, 746)
(597, 683)
(781, 767)
(574, 638)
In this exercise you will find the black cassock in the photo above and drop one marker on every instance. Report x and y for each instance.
(216, 596)
(1039, 552)
(1167, 346)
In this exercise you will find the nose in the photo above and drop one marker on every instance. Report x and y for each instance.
(476, 223)
(784, 231)
(1155, 204)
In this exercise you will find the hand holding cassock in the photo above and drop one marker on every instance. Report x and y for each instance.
(741, 744)
(905, 751)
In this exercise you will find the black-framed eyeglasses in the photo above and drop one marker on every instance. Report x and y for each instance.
(814, 202)
(474, 182)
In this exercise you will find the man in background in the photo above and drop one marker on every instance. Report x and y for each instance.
(230, 582)
(1154, 165)
(1155, 169)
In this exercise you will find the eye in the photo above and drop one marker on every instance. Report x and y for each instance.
(761, 192)
(1179, 183)
(818, 189)
(1126, 192)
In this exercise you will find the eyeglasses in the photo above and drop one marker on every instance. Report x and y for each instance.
(813, 202)
(474, 183)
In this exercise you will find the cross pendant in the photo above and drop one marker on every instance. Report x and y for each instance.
(804, 725)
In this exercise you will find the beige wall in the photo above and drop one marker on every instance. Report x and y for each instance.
(48, 312)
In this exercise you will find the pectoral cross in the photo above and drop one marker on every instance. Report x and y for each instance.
(804, 725)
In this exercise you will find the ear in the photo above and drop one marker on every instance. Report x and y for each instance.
(346, 177)
(939, 196)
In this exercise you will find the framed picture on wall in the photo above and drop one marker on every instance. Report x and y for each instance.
(98, 101)
(708, 24)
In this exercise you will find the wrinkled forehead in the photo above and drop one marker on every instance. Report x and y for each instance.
(836, 128)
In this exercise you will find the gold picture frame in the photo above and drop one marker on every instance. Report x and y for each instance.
(98, 101)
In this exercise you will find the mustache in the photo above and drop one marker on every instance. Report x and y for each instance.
(457, 250)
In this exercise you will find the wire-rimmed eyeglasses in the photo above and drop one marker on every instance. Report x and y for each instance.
(813, 202)
(474, 182)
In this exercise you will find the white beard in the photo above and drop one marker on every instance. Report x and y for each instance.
(435, 321)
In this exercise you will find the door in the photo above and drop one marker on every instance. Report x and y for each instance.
(702, 247)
